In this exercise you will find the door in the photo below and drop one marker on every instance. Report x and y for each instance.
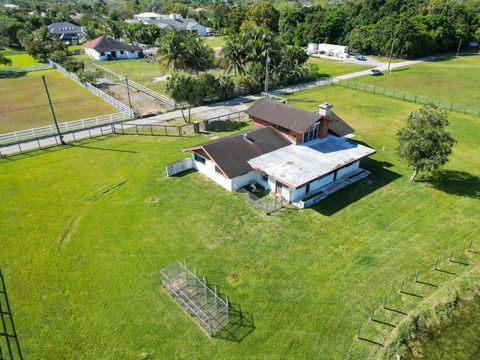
(278, 188)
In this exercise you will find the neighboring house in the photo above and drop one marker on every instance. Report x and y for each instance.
(172, 21)
(299, 155)
(107, 48)
(67, 32)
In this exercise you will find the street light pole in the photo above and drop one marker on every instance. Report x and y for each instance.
(267, 62)
(53, 111)
(391, 53)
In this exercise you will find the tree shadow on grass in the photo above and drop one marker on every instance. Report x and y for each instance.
(454, 182)
(11, 74)
(240, 325)
(379, 176)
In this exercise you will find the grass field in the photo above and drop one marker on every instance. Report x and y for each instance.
(24, 104)
(86, 229)
(20, 59)
(216, 41)
(454, 79)
(331, 68)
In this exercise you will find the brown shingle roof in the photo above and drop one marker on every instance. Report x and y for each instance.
(106, 43)
(283, 115)
(338, 126)
(231, 153)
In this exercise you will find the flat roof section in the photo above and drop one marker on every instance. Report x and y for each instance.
(296, 165)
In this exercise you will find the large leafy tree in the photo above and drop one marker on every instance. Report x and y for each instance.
(185, 88)
(263, 13)
(425, 142)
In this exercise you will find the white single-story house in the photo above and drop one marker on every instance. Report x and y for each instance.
(107, 48)
(296, 154)
(172, 21)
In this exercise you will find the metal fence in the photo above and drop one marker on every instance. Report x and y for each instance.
(230, 121)
(9, 344)
(267, 204)
(66, 127)
(94, 90)
(188, 129)
(410, 97)
(162, 98)
(205, 305)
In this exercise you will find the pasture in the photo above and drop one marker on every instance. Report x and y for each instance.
(24, 104)
(86, 229)
(331, 68)
(454, 79)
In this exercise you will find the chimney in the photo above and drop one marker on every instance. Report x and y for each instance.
(325, 109)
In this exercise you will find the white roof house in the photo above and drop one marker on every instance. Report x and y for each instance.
(299, 155)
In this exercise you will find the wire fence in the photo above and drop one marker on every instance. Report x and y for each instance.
(204, 304)
(188, 129)
(162, 98)
(410, 97)
(267, 204)
(94, 90)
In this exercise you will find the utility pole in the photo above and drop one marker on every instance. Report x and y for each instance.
(128, 93)
(391, 53)
(267, 63)
(53, 111)
(459, 44)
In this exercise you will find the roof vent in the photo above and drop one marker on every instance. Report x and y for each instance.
(325, 109)
(245, 137)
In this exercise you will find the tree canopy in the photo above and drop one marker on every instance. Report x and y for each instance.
(425, 142)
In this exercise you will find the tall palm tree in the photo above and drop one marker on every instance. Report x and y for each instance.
(233, 56)
(171, 50)
(200, 55)
(185, 88)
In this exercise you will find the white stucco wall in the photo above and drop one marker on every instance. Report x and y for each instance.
(208, 169)
(348, 170)
(321, 182)
(245, 179)
(126, 54)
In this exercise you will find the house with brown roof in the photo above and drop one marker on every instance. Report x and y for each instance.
(108, 48)
(298, 155)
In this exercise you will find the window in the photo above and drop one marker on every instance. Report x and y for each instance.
(311, 133)
(199, 158)
(102, 54)
(265, 178)
(122, 52)
(307, 188)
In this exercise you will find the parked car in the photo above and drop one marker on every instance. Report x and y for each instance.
(375, 72)
(361, 58)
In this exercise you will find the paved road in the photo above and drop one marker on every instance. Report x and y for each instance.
(204, 112)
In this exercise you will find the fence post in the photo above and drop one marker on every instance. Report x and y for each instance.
(415, 100)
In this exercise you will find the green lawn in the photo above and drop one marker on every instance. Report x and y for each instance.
(216, 41)
(332, 68)
(19, 59)
(86, 229)
(24, 104)
(454, 79)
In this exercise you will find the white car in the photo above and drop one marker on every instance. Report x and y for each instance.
(375, 72)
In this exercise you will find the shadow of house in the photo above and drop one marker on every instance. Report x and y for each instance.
(239, 326)
(454, 182)
(379, 177)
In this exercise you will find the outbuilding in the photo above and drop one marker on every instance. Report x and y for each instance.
(107, 48)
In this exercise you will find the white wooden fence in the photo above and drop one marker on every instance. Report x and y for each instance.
(66, 127)
(162, 98)
(94, 90)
